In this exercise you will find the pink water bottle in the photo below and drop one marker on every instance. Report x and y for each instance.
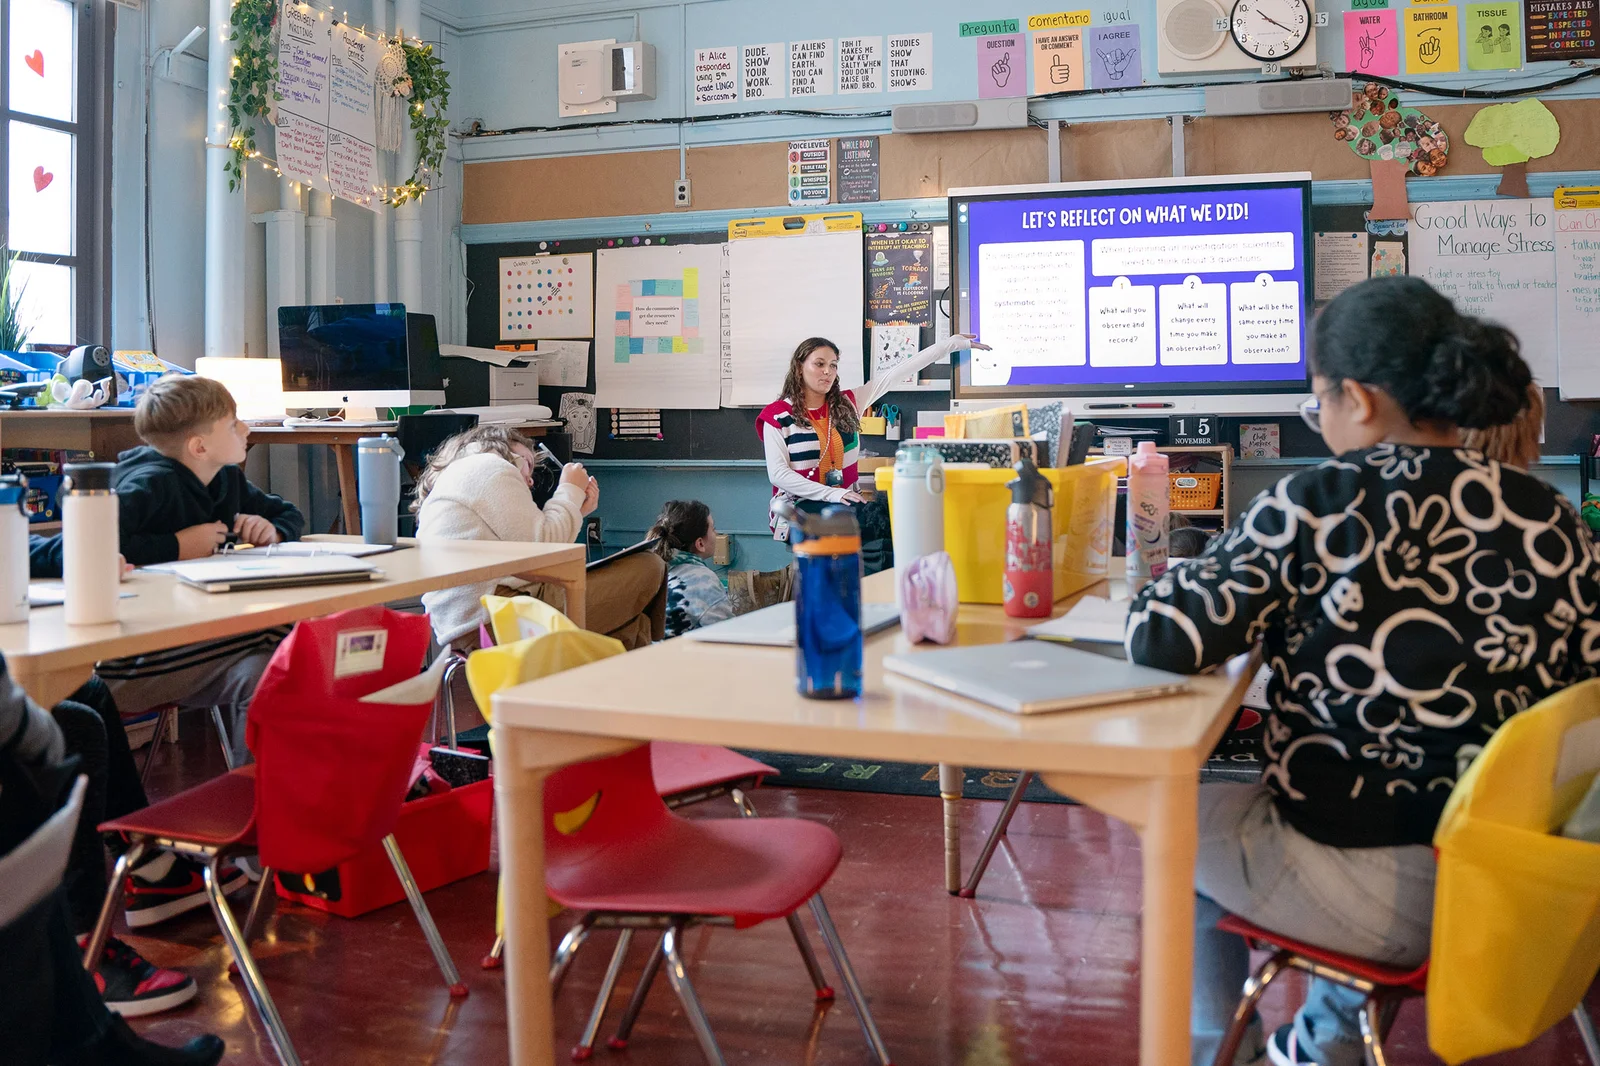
(1149, 502)
(1030, 567)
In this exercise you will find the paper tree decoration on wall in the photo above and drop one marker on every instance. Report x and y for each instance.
(1377, 128)
(1510, 135)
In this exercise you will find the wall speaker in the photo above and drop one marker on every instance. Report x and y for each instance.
(1010, 113)
(1279, 97)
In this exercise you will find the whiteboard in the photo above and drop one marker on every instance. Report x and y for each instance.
(782, 290)
(658, 327)
(1578, 301)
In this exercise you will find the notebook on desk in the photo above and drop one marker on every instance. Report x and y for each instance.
(774, 626)
(1035, 676)
(228, 574)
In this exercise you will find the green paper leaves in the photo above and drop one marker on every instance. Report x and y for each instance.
(1514, 133)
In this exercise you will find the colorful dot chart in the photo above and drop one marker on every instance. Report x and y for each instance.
(547, 296)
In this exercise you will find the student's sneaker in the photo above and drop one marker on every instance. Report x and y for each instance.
(133, 986)
(168, 885)
(1283, 1049)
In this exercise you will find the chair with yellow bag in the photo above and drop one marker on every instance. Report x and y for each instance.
(1516, 909)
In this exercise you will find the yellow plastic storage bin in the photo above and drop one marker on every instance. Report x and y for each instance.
(975, 502)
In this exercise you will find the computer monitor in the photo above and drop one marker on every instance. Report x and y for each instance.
(1136, 297)
(358, 356)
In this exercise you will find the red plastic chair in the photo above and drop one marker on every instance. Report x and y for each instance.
(1385, 987)
(329, 777)
(616, 853)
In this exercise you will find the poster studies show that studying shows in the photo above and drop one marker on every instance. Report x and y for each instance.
(1179, 287)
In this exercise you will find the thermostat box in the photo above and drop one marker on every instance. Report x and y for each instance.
(514, 384)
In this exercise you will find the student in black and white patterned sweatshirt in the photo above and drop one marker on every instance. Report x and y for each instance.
(1409, 595)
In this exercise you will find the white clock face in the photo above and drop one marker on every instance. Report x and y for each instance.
(1270, 30)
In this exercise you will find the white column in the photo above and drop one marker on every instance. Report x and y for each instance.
(408, 219)
(286, 257)
(225, 211)
(380, 221)
(320, 231)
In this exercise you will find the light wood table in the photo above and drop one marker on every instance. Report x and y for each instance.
(342, 439)
(50, 659)
(104, 432)
(1138, 762)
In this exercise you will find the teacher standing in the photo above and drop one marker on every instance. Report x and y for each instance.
(811, 432)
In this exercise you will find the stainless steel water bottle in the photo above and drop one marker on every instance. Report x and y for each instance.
(378, 481)
(90, 563)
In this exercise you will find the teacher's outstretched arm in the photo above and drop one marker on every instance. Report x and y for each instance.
(869, 394)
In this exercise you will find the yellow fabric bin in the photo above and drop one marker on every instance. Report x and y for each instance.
(975, 502)
(1516, 916)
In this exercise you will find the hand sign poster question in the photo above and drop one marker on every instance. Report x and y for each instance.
(1002, 67)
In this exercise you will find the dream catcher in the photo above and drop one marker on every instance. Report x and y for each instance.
(393, 89)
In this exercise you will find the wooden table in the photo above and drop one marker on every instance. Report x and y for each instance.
(1138, 762)
(103, 432)
(342, 439)
(50, 659)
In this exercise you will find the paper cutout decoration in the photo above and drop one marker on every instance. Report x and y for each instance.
(1510, 135)
(1432, 46)
(1389, 189)
(35, 61)
(1376, 127)
(1494, 36)
(1372, 42)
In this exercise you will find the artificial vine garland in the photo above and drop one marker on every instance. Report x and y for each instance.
(253, 84)
(428, 98)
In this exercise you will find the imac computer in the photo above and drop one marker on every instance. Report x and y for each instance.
(1135, 298)
(361, 357)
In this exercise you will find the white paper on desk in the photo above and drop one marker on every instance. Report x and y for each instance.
(564, 364)
(1092, 618)
(304, 548)
(54, 593)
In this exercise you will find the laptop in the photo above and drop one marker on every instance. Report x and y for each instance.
(227, 574)
(1035, 676)
(774, 626)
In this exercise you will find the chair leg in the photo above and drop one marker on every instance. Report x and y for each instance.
(108, 910)
(491, 961)
(678, 976)
(636, 1001)
(1254, 987)
(809, 957)
(566, 951)
(847, 974)
(743, 802)
(419, 907)
(222, 735)
(447, 697)
(999, 830)
(254, 986)
(1371, 1018)
(163, 724)
(259, 905)
(597, 1014)
(1585, 1024)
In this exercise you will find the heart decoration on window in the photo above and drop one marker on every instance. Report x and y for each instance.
(42, 179)
(35, 62)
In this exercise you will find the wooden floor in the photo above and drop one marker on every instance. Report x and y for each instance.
(1041, 968)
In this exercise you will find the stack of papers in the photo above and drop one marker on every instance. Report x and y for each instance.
(1093, 618)
(307, 548)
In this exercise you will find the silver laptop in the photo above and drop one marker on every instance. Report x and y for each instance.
(1034, 676)
(774, 626)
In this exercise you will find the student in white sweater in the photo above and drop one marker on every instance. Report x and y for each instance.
(478, 486)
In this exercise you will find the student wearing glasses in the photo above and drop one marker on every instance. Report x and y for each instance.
(1410, 595)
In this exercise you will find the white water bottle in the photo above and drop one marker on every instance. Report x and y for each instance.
(1149, 502)
(13, 548)
(916, 517)
(90, 562)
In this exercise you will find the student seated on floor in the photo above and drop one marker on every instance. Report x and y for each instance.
(1410, 595)
(478, 486)
(695, 594)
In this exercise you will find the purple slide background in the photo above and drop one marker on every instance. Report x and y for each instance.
(1271, 211)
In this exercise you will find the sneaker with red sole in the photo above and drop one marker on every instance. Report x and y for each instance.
(133, 986)
(180, 887)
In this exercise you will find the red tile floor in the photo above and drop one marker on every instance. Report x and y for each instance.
(1041, 969)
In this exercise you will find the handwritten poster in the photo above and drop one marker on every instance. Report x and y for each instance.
(1002, 67)
(546, 296)
(1578, 301)
(1561, 29)
(899, 279)
(1494, 36)
(1114, 59)
(1058, 61)
(811, 68)
(764, 71)
(715, 79)
(911, 63)
(1495, 259)
(1372, 43)
(1431, 40)
(325, 131)
(860, 65)
(1341, 262)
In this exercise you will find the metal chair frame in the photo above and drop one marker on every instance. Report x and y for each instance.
(164, 723)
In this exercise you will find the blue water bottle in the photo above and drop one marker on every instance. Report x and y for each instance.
(378, 488)
(827, 603)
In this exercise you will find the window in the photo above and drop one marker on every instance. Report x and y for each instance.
(51, 100)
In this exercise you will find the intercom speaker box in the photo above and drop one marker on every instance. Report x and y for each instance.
(1205, 35)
